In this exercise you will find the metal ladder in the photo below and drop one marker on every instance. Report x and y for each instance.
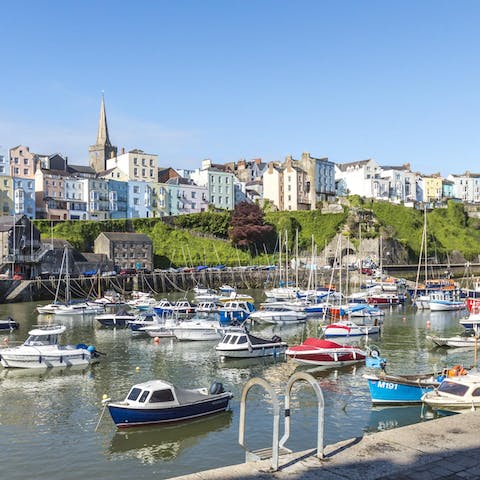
(278, 445)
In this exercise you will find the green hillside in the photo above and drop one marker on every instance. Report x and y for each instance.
(202, 239)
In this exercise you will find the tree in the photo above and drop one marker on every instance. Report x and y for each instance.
(248, 228)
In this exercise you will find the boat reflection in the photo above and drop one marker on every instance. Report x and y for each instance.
(150, 444)
(385, 418)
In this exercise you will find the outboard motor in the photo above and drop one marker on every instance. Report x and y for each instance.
(216, 388)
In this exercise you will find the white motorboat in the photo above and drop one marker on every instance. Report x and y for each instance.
(472, 321)
(459, 391)
(278, 315)
(41, 350)
(197, 329)
(146, 319)
(83, 308)
(282, 293)
(162, 327)
(207, 307)
(119, 319)
(446, 305)
(239, 343)
(347, 328)
(468, 338)
(49, 309)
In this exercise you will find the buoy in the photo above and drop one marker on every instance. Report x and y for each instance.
(105, 396)
(137, 369)
(156, 340)
(428, 324)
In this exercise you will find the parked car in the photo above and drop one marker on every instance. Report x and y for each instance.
(128, 271)
(18, 276)
(110, 273)
(90, 273)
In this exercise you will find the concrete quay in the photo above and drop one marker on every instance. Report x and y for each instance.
(444, 448)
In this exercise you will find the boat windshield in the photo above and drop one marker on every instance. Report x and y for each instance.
(39, 340)
(134, 393)
(453, 388)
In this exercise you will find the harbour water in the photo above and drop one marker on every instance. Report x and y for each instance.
(48, 420)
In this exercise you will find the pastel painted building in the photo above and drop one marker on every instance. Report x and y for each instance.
(219, 183)
(273, 184)
(6, 195)
(77, 203)
(22, 162)
(159, 199)
(95, 193)
(50, 200)
(118, 199)
(24, 197)
(466, 187)
(402, 182)
(186, 197)
(4, 163)
(139, 196)
(296, 187)
(135, 165)
(432, 188)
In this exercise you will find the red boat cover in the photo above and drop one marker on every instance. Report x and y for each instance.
(319, 343)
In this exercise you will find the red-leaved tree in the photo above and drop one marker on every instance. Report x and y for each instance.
(248, 227)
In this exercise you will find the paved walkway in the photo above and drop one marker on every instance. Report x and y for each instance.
(445, 448)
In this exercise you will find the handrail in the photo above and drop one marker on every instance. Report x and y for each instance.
(299, 376)
(276, 417)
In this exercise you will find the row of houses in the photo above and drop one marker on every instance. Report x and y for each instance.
(131, 184)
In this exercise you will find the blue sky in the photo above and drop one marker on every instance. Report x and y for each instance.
(188, 80)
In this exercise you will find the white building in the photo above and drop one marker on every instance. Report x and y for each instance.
(402, 183)
(363, 178)
(134, 165)
(466, 187)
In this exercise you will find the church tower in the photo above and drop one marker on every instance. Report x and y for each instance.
(103, 149)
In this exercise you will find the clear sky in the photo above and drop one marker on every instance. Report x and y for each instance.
(398, 81)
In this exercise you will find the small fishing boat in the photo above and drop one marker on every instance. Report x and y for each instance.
(42, 350)
(239, 343)
(119, 319)
(468, 338)
(347, 328)
(158, 401)
(446, 305)
(400, 389)
(457, 393)
(48, 309)
(82, 308)
(315, 351)
(8, 324)
(384, 298)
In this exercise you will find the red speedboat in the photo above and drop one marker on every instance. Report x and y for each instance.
(315, 351)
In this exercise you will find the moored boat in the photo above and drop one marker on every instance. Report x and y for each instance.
(239, 343)
(8, 324)
(400, 389)
(468, 338)
(158, 401)
(119, 319)
(278, 314)
(198, 329)
(455, 393)
(315, 351)
(42, 350)
(347, 328)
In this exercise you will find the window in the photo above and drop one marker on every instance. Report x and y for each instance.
(135, 161)
(136, 189)
(143, 172)
(135, 171)
(16, 170)
(25, 161)
(227, 200)
(151, 162)
(220, 199)
(143, 161)
(25, 171)
(134, 393)
(151, 173)
(135, 201)
(193, 194)
(162, 396)
(144, 396)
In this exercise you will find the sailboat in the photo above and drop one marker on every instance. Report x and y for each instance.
(69, 308)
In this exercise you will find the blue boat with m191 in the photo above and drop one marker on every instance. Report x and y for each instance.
(159, 401)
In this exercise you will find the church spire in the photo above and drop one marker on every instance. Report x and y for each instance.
(103, 149)
(102, 135)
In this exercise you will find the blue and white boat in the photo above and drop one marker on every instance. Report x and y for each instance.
(158, 401)
(400, 389)
(145, 319)
(235, 312)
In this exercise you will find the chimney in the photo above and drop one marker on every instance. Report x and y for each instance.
(123, 150)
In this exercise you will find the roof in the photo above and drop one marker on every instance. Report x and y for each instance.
(58, 173)
(127, 237)
(81, 169)
(343, 166)
(6, 222)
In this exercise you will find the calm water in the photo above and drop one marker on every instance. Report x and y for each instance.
(47, 421)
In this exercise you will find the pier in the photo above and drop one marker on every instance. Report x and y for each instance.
(444, 448)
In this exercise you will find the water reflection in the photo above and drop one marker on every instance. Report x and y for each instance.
(385, 418)
(165, 442)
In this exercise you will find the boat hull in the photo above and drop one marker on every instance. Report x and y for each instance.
(390, 392)
(124, 416)
(254, 352)
(63, 360)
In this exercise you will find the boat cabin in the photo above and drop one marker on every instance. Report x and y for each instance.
(44, 336)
